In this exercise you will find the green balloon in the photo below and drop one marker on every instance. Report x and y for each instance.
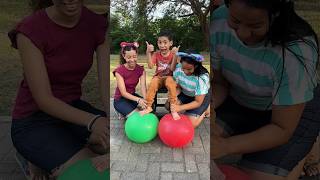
(141, 129)
(84, 170)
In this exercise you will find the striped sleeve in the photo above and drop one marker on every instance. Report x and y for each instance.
(299, 75)
(203, 85)
(218, 16)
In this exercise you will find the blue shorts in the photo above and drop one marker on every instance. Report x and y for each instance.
(125, 106)
(184, 99)
(48, 142)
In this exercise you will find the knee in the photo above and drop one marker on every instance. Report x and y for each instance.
(194, 121)
(170, 81)
(153, 85)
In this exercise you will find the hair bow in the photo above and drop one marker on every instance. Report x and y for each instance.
(196, 57)
(124, 44)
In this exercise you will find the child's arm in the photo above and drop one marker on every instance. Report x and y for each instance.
(175, 57)
(143, 85)
(150, 49)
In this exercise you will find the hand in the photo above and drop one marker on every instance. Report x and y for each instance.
(219, 147)
(150, 47)
(100, 129)
(142, 103)
(174, 50)
(175, 108)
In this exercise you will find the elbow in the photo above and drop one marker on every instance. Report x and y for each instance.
(123, 93)
(285, 135)
(43, 101)
(197, 104)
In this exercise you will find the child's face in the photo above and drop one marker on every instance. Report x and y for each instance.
(131, 57)
(164, 43)
(250, 24)
(187, 68)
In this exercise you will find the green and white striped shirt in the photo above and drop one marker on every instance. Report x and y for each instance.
(191, 85)
(254, 73)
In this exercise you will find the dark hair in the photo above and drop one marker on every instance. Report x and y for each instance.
(198, 67)
(123, 50)
(166, 33)
(286, 27)
(40, 4)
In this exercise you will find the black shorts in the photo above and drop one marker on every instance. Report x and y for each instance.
(236, 119)
(125, 106)
(197, 111)
(48, 142)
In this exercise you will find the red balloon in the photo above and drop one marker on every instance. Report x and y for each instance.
(232, 173)
(175, 133)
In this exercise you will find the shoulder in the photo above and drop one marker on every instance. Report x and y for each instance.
(140, 67)
(119, 68)
(156, 54)
(34, 21)
(220, 14)
(33, 27)
(205, 77)
(220, 32)
(94, 19)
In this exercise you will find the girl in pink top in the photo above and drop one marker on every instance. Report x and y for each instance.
(52, 127)
(128, 74)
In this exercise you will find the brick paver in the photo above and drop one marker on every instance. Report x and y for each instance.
(154, 160)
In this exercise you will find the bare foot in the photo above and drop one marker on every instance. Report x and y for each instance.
(37, 173)
(146, 111)
(101, 163)
(175, 115)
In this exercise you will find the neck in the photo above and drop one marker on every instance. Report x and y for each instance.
(165, 53)
(128, 67)
(61, 19)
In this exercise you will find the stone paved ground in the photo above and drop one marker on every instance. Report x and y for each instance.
(154, 160)
(129, 160)
(9, 169)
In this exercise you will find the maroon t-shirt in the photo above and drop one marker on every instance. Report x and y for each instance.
(68, 55)
(130, 77)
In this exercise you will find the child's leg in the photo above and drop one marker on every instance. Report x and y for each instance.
(171, 85)
(155, 84)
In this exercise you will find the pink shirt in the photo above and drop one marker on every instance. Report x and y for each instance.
(162, 64)
(68, 55)
(130, 77)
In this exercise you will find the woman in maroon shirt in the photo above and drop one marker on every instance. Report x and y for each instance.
(52, 127)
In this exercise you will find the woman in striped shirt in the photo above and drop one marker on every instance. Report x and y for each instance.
(267, 105)
(193, 87)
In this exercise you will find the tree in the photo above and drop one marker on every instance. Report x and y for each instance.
(186, 8)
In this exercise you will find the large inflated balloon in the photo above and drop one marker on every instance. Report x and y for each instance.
(175, 133)
(232, 173)
(84, 170)
(141, 129)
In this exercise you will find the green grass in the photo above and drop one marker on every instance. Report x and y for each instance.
(313, 17)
